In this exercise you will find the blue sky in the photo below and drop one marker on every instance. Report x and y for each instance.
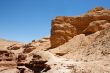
(25, 20)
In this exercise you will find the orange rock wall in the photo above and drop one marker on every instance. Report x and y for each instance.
(73, 25)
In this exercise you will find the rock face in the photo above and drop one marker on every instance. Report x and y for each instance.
(64, 28)
(61, 33)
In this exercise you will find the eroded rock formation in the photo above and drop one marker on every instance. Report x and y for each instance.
(64, 28)
(82, 46)
(7, 56)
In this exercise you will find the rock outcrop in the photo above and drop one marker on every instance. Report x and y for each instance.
(7, 56)
(14, 46)
(64, 28)
(37, 45)
(37, 63)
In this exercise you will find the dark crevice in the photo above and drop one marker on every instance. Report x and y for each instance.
(35, 66)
